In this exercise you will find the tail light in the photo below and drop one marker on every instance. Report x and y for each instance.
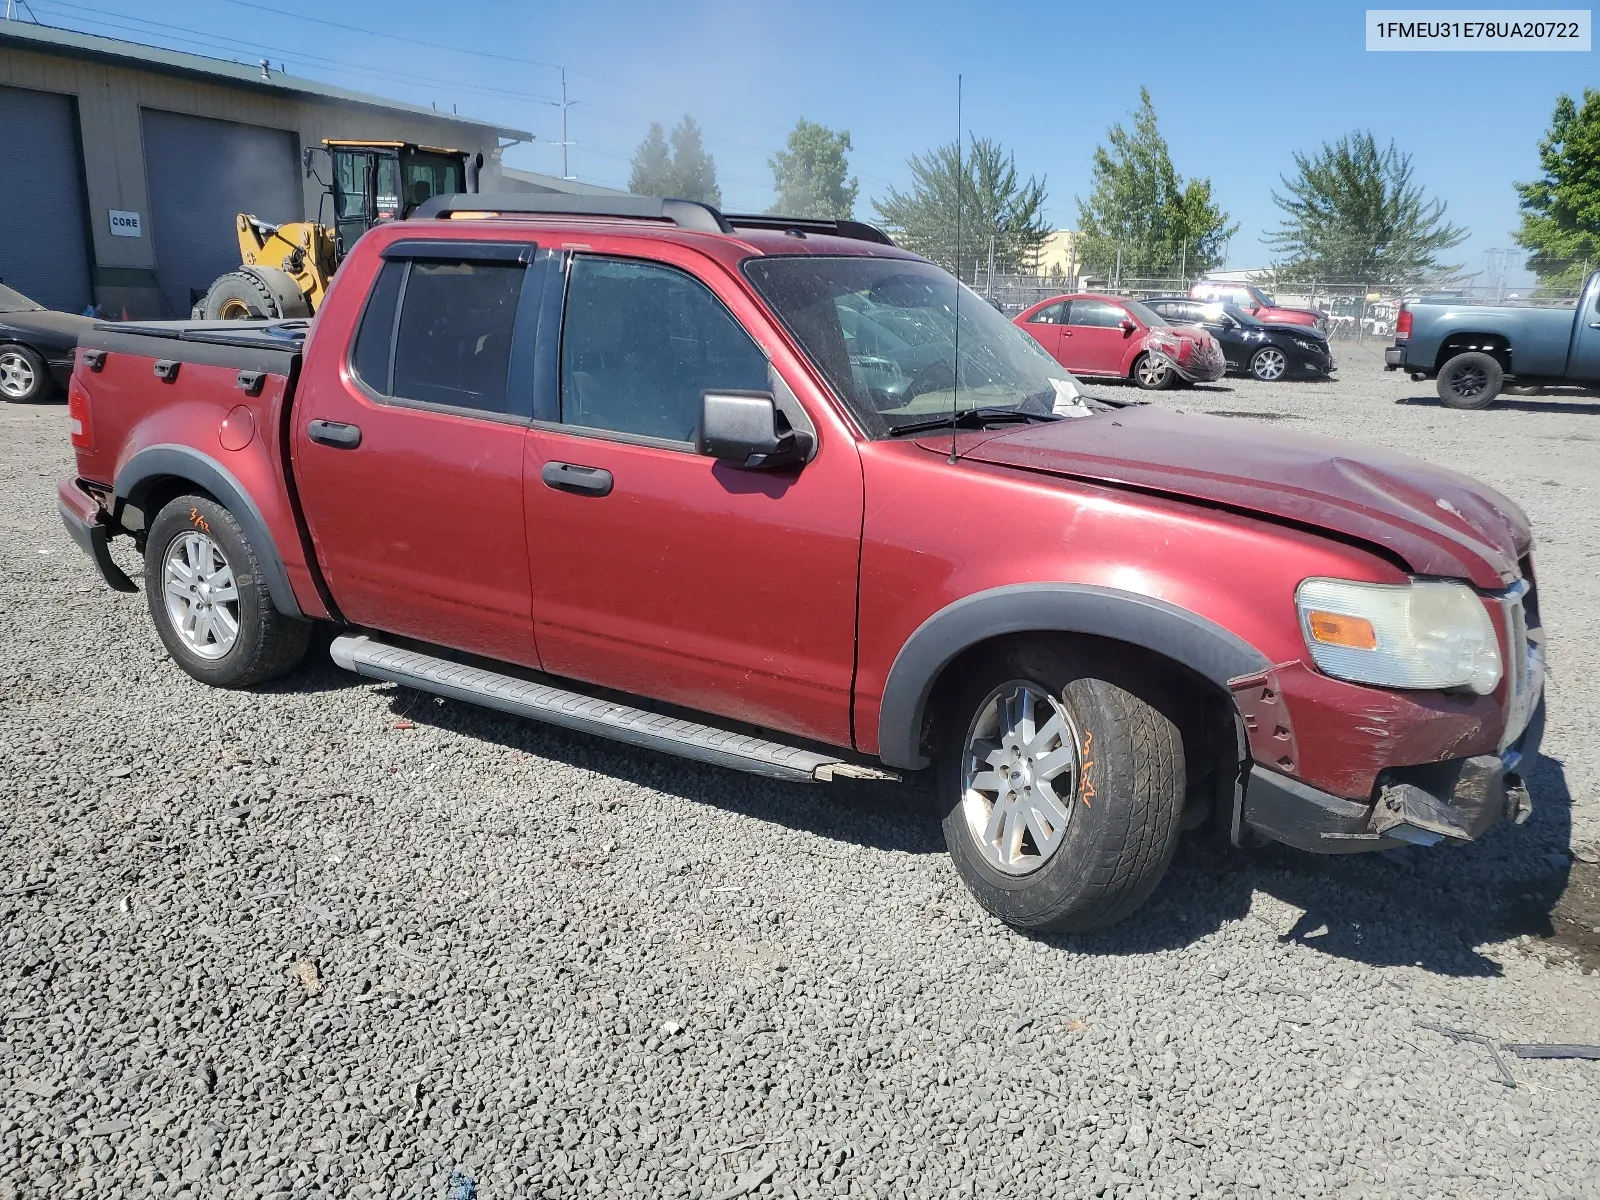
(1402, 326)
(78, 416)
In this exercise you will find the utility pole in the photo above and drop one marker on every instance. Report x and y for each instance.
(564, 142)
(990, 296)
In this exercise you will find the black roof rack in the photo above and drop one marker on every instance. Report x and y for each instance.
(685, 214)
(859, 230)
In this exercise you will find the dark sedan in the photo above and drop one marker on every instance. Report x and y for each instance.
(1261, 349)
(36, 345)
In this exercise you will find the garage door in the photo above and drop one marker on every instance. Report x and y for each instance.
(201, 174)
(42, 229)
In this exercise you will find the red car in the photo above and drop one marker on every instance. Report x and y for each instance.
(1258, 304)
(1113, 336)
(726, 487)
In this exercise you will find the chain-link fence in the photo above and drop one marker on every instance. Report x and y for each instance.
(1351, 310)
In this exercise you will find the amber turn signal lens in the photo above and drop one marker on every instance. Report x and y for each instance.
(1336, 629)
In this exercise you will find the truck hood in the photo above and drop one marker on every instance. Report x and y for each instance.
(1436, 521)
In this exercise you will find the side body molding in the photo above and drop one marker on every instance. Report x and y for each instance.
(1176, 633)
(154, 463)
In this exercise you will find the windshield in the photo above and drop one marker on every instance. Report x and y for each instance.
(884, 331)
(1265, 298)
(12, 300)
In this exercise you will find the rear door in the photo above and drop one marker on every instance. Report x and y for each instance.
(1093, 341)
(664, 573)
(409, 454)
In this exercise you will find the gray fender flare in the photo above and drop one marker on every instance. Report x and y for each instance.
(154, 463)
(1202, 646)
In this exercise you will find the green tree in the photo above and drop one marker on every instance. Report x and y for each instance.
(1561, 210)
(1354, 212)
(983, 187)
(810, 174)
(1140, 205)
(678, 167)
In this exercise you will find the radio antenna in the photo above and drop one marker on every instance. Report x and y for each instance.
(955, 390)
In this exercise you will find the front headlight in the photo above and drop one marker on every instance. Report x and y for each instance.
(1423, 634)
(1305, 345)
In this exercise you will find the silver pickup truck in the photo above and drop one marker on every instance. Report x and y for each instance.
(1474, 349)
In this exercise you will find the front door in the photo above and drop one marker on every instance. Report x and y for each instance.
(409, 458)
(1585, 362)
(1093, 341)
(667, 574)
(1045, 326)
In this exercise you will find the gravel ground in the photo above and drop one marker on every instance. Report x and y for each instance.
(337, 938)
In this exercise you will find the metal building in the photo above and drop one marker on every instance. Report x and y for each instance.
(128, 163)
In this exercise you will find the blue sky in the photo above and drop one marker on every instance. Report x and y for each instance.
(1239, 87)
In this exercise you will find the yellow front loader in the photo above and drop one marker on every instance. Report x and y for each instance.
(285, 269)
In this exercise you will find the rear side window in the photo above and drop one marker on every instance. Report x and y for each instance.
(641, 343)
(453, 343)
(374, 340)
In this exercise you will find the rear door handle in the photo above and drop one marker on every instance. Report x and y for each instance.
(570, 477)
(334, 433)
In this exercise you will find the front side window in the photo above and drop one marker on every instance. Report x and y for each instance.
(641, 343)
(453, 343)
(883, 332)
(1095, 314)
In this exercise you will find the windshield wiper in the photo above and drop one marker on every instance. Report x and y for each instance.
(973, 418)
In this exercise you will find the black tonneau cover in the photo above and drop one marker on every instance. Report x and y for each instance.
(270, 346)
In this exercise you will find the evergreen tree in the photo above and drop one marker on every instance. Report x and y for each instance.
(1140, 205)
(1353, 212)
(681, 170)
(809, 175)
(1561, 210)
(983, 186)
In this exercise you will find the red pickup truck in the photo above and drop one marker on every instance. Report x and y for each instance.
(777, 495)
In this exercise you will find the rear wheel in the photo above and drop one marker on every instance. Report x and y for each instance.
(1062, 785)
(209, 599)
(1471, 380)
(24, 377)
(1154, 374)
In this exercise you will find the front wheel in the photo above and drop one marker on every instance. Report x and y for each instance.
(1471, 380)
(1269, 364)
(209, 599)
(1153, 374)
(1062, 789)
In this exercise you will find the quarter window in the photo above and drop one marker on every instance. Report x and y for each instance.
(641, 343)
(453, 344)
(371, 357)
(1050, 314)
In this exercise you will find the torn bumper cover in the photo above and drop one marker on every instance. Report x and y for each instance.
(82, 517)
(1453, 801)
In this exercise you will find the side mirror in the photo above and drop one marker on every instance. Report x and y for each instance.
(305, 160)
(1127, 325)
(745, 429)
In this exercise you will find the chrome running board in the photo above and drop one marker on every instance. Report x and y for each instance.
(588, 714)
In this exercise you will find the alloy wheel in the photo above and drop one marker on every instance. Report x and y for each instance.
(1269, 364)
(1469, 381)
(16, 375)
(201, 595)
(1020, 768)
(1151, 372)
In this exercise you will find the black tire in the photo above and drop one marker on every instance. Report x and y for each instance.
(267, 643)
(1269, 365)
(24, 376)
(252, 294)
(1471, 380)
(1154, 382)
(1125, 804)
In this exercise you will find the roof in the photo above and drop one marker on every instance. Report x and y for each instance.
(46, 39)
(532, 181)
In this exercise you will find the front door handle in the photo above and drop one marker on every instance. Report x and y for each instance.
(1594, 324)
(334, 433)
(570, 477)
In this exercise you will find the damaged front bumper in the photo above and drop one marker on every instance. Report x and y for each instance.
(1454, 801)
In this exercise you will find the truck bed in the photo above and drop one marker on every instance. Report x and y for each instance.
(271, 347)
